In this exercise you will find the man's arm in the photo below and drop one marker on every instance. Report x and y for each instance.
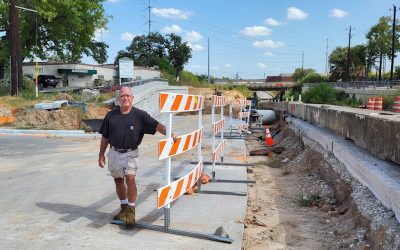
(103, 147)
(163, 130)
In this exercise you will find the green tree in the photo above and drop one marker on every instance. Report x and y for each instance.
(300, 73)
(379, 41)
(338, 62)
(167, 53)
(179, 52)
(66, 30)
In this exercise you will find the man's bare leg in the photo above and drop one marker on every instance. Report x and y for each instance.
(120, 188)
(122, 195)
(132, 194)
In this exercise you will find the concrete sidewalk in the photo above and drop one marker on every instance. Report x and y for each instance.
(55, 196)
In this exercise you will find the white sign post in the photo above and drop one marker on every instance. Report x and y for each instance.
(125, 68)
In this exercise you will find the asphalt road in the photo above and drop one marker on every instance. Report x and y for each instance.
(53, 195)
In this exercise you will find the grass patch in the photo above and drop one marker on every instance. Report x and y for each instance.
(309, 200)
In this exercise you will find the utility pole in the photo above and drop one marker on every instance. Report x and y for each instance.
(326, 57)
(302, 61)
(15, 49)
(149, 21)
(348, 58)
(393, 41)
(208, 48)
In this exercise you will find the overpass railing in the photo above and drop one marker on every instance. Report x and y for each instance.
(360, 84)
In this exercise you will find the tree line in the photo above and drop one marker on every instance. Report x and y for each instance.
(66, 31)
(366, 57)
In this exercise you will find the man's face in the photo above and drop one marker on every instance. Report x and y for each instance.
(125, 97)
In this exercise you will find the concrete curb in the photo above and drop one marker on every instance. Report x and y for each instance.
(37, 132)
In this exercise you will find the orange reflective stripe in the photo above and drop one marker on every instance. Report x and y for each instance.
(195, 138)
(163, 196)
(189, 181)
(163, 99)
(161, 146)
(175, 147)
(188, 102)
(187, 142)
(177, 103)
(178, 188)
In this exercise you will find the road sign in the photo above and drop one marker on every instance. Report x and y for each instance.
(125, 68)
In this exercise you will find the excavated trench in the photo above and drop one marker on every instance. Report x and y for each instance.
(305, 199)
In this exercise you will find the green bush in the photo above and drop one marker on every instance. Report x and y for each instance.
(322, 93)
(28, 90)
(4, 88)
(313, 78)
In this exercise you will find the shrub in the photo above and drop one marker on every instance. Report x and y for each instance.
(322, 93)
(313, 78)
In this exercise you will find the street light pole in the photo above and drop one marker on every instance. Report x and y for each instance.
(36, 48)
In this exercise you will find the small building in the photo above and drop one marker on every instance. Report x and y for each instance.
(85, 75)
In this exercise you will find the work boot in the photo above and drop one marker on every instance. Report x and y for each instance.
(130, 215)
(122, 214)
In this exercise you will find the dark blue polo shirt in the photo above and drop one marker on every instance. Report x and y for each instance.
(125, 131)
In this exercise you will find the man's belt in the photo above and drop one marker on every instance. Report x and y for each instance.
(120, 150)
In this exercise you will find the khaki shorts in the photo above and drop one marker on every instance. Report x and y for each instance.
(122, 164)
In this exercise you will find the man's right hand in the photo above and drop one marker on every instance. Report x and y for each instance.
(102, 161)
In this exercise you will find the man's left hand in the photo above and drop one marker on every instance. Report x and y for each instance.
(174, 137)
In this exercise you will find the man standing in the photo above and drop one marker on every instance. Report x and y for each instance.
(123, 128)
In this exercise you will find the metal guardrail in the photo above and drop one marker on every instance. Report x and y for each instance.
(360, 84)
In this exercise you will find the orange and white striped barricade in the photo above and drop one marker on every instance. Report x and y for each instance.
(173, 103)
(396, 105)
(218, 150)
(378, 103)
(217, 127)
(244, 115)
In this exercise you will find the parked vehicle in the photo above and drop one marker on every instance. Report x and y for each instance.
(48, 80)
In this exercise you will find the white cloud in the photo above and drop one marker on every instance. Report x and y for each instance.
(193, 36)
(112, 1)
(296, 14)
(171, 13)
(268, 44)
(195, 47)
(337, 13)
(261, 65)
(127, 36)
(227, 65)
(256, 31)
(172, 29)
(215, 68)
(272, 22)
(268, 54)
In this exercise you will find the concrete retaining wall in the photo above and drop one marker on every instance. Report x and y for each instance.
(147, 96)
(376, 132)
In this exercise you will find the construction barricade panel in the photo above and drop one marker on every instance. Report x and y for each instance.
(218, 126)
(167, 148)
(169, 193)
(245, 103)
(218, 101)
(244, 114)
(218, 151)
(173, 102)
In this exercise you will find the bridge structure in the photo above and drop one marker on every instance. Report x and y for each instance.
(270, 86)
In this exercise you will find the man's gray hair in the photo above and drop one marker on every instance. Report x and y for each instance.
(123, 87)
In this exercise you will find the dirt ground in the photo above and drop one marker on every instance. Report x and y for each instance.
(299, 203)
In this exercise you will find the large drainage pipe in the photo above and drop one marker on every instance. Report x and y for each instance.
(268, 116)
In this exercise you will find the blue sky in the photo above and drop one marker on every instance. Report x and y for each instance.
(254, 38)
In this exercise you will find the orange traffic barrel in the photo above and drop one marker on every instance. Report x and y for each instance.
(396, 105)
(378, 103)
(370, 103)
